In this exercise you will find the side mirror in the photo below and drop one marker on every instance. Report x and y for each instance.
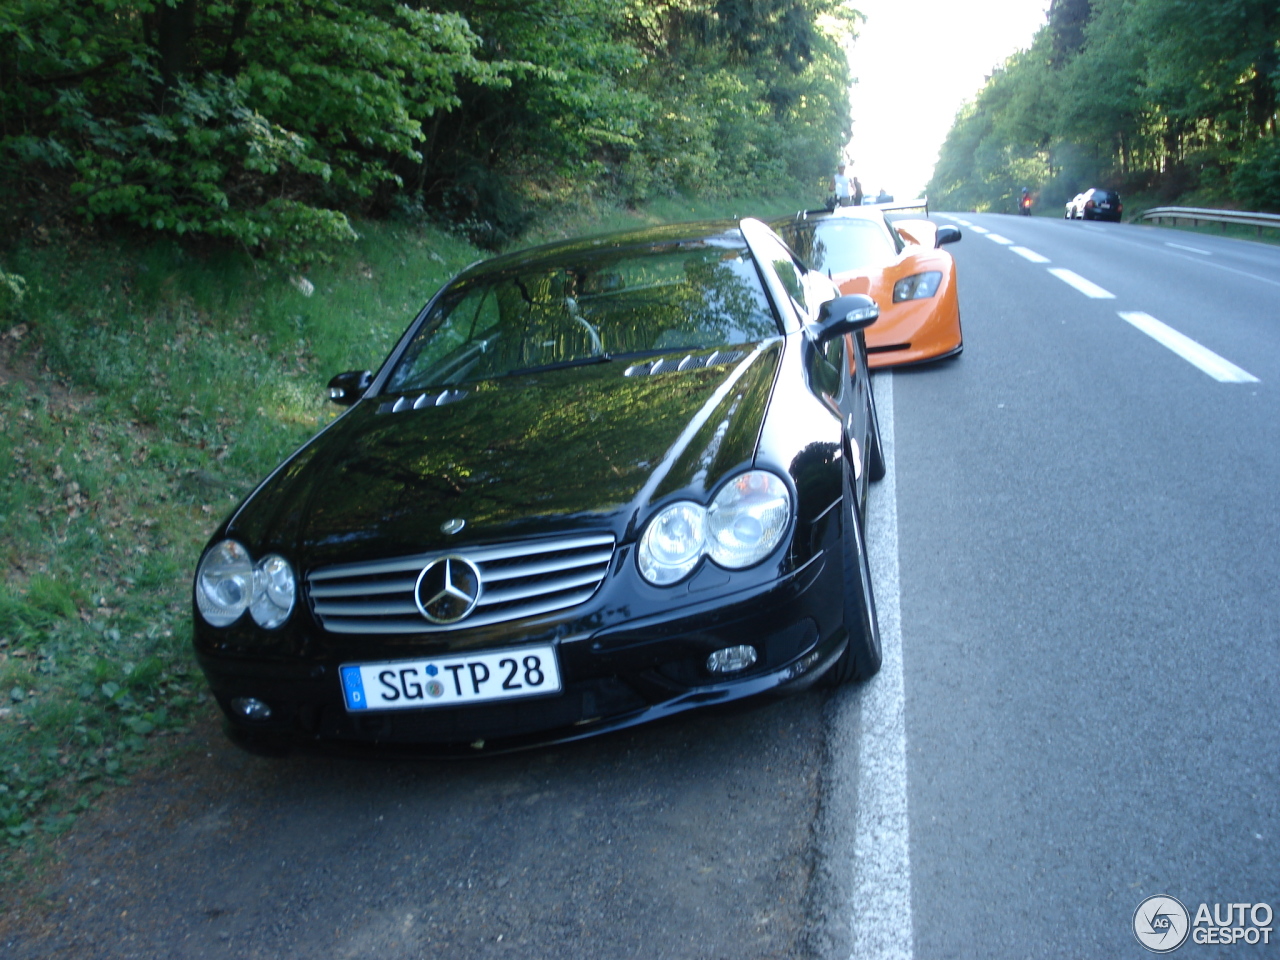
(346, 388)
(947, 234)
(846, 314)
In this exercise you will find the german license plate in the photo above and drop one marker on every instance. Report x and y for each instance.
(450, 681)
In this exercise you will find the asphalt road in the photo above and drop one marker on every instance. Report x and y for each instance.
(1077, 573)
(1089, 579)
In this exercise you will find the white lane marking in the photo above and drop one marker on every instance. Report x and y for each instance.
(1087, 287)
(1215, 366)
(1029, 255)
(977, 229)
(881, 907)
(963, 223)
(1178, 246)
(996, 238)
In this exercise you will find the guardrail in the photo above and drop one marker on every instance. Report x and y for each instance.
(1198, 214)
(921, 203)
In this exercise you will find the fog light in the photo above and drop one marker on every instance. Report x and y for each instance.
(251, 708)
(731, 659)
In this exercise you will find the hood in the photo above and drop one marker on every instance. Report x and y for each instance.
(563, 450)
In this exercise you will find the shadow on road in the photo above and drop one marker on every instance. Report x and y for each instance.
(684, 839)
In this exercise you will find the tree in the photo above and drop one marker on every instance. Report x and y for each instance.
(257, 122)
(1181, 94)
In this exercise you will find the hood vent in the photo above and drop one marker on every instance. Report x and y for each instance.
(717, 358)
(425, 400)
(521, 579)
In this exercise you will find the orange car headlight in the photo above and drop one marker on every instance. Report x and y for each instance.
(920, 286)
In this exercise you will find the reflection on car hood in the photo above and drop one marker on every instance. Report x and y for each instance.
(527, 455)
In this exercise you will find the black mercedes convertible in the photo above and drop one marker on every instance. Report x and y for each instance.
(595, 483)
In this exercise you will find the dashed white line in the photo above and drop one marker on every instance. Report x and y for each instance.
(1029, 255)
(1178, 246)
(1200, 356)
(1087, 287)
(881, 896)
(1194, 353)
(977, 229)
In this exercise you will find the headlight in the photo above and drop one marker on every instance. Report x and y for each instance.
(672, 543)
(746, 520)
(273, 592)
(917, 287)
(228, 583)
(224, 584)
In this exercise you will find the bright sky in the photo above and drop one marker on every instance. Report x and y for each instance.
(917, 62)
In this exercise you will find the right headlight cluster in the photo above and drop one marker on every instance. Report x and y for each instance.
(919, 286)
(747, 518)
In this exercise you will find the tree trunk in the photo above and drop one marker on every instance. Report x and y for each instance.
(174, 27)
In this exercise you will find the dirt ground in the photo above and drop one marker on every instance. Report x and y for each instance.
(685, 839)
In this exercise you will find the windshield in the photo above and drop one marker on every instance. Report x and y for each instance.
(597, 305)
(841, 245)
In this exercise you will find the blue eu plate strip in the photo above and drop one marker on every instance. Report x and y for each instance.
(353, 689)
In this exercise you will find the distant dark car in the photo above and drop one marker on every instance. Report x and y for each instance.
(1095, 204)
(596, 483)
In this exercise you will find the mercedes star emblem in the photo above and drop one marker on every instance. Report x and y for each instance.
(448, 589)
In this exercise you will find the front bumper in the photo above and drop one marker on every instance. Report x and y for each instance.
(629, 673)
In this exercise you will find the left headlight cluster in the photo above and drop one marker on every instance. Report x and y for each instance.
(228, 582)
(919, 286)
(747, 518)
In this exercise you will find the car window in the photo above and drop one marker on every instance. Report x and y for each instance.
(792, 276)
(843, 245)
(613, 302)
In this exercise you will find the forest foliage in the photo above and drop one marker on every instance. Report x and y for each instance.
(1176, 99)
(272, 123)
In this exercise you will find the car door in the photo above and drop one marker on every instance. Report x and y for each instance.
(837, 369)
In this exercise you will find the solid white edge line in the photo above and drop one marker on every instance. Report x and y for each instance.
(1087, 287)
(881, 887)
(1222, 370)
(1031, 255)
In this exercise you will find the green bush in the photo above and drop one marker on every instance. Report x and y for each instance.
(1257, 178)
(12, 290)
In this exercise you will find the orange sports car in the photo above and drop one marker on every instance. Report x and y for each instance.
(899, 264)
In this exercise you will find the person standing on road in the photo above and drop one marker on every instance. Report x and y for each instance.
(857, 193)
(840, 187)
